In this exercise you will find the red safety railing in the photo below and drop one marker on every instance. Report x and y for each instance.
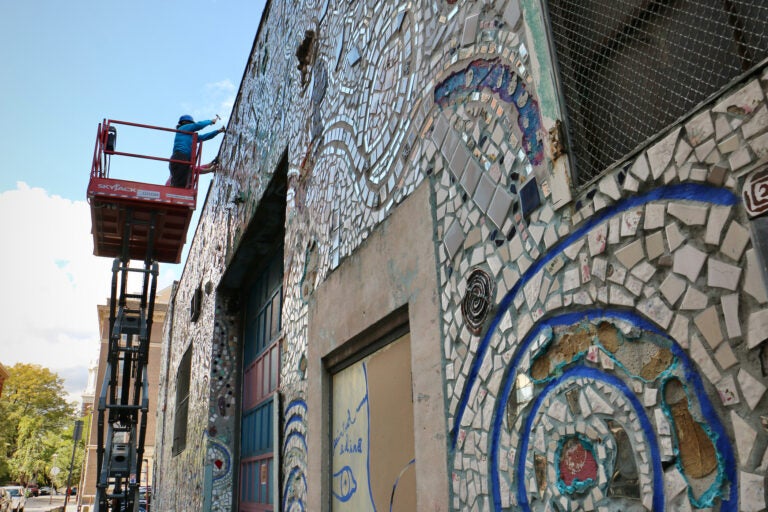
(102, 152)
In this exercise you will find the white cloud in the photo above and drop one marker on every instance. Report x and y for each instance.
(219, 98)
(227, 95)
(52, 284)
(225, 86)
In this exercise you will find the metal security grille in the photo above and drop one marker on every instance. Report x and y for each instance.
(630, 68)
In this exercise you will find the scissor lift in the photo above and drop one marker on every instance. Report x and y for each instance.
(148, 223)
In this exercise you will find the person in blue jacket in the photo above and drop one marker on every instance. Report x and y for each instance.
(182, 148)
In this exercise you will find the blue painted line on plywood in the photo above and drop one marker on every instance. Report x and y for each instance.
(368, 455)
(397, 481)
(346, 492)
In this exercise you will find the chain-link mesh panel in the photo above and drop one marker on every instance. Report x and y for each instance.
(630, 68)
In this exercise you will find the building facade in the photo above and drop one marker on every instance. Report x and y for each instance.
(479, 255)
(88, 398)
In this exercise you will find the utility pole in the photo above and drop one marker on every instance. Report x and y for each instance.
(75, 438)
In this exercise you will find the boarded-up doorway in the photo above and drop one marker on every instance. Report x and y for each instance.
(372, 460)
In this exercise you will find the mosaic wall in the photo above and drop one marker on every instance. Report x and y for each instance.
(205, 465)
(619, 367)
(605, 355)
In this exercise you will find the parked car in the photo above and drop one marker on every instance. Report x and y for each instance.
(18, 500)
(5, 500)
(46, 491)
(33, 490)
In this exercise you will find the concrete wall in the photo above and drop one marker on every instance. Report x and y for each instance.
(601, 351)
(393, 268)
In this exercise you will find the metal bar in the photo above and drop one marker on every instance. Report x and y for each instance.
(100, 424)
(103, 482)
(125, 252)
(113, 289)
(129, 350)
(96, 162)
(125, 387)
(136, 269)
(123, 407)
(149, 126)
(152, 294)
(139, 366)
(147, 157)
(142, 428)
(147, 265)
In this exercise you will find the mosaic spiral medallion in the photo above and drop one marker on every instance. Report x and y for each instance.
(477, 299)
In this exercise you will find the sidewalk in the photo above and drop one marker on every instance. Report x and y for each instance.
(58, 506)
(53, 503)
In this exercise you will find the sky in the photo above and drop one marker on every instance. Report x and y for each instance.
(65, 67)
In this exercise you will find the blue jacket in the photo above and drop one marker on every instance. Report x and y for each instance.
(182, 143)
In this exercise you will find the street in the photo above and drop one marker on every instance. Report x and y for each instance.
(49, 503)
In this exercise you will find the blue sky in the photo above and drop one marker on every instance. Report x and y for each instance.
(65, 67)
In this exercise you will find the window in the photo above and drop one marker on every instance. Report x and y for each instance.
(196, 304)
(261, 370)
(183, 375)
(631, 68)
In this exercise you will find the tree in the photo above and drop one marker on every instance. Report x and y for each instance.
(35, 413)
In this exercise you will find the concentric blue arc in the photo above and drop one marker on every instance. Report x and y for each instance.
(685, 191)
(726, 459)
(299, 407)
(287, 503)
(591, 373)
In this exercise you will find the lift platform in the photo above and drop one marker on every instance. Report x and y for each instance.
(122, 208)
(131, 221)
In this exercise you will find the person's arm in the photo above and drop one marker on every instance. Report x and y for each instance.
(194, 127)
(209, 167)
(210, 135)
